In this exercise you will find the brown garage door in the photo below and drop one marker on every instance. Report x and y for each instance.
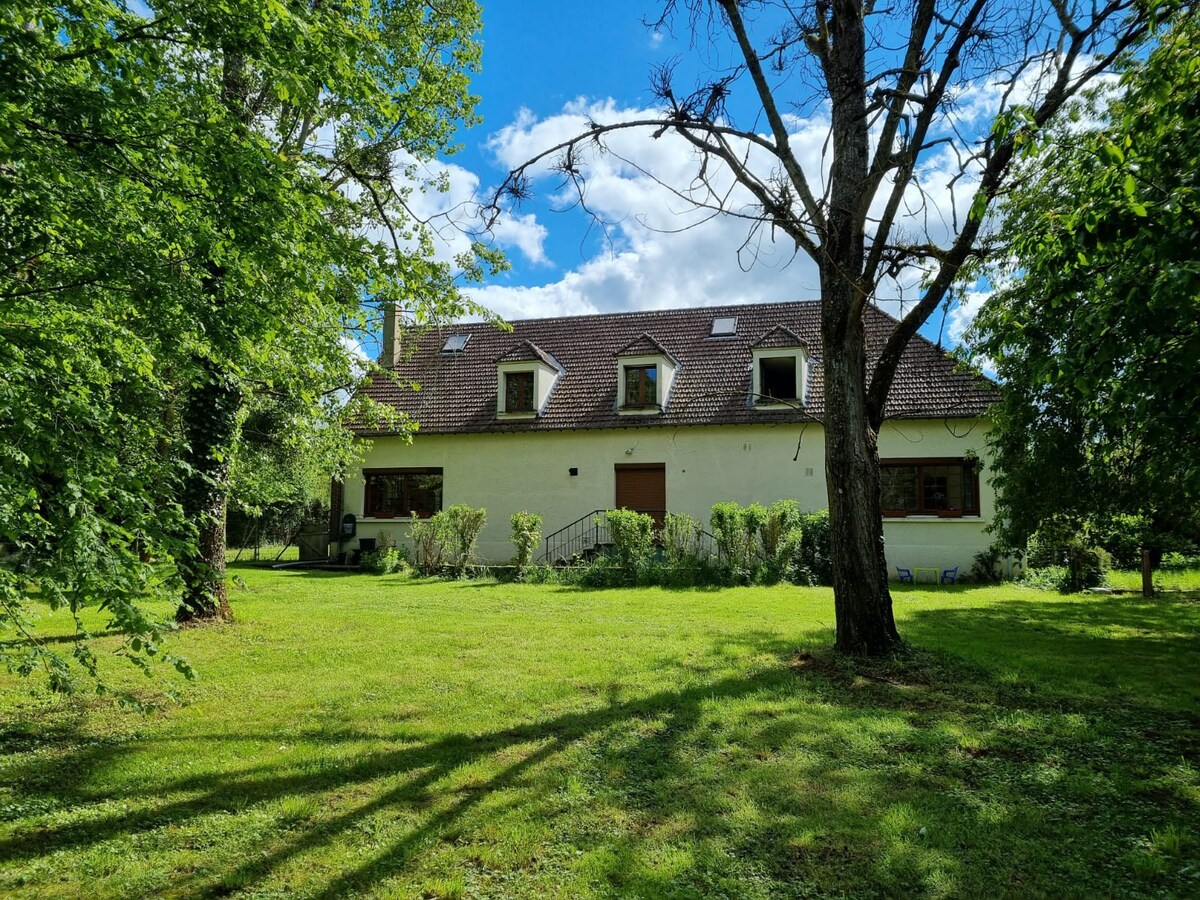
(643, 487)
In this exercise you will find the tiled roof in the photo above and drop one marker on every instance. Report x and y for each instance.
(527, 352)
(712, 380)
(779, 336)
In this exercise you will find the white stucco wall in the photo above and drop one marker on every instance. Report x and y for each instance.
(509, 472)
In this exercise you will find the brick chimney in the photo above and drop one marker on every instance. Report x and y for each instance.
(390, 354)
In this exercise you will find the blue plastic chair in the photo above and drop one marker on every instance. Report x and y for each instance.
(949, 575)
(906, 575)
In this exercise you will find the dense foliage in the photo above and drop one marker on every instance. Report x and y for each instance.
(196, 200)
(526, 537)
(1097, 336)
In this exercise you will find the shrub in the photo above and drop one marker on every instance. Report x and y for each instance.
(735, 528)
(781, 534)
(632, 535)
(463, 524)
(683, 548)
(1048, 578)
(985, 567)
(680, 538)
(542, 575)
(812, 560)
(385, 561)
(386, 558)
(1057, 545)
(428, 538)
(526, 536)
(1177, 560)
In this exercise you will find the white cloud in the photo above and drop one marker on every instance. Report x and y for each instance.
(661, 251)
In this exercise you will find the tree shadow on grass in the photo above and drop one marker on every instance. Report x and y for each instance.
(1086, 652)
(809, 773)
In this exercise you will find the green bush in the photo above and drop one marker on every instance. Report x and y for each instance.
(463, 524)
(1176, 560)
(1048, 578)
(428, 538)
(1057, 545)
(386, 558)
(736, 528)
(632, 535)
(683, 549)
(985, 566)
(781, 534)
(386, 561)
(812, 560)
(526, 536)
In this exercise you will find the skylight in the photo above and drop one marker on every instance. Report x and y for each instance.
(456, 343)
(724, 326)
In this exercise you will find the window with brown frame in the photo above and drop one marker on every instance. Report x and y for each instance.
(641, 385)
(929, 487)
(518, 392)
(402, 492)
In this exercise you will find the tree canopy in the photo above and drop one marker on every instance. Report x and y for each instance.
(198, 204)
(1096, 332)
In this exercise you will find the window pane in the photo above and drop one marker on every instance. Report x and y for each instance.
(899, 487)
(424, 495)
(777, 377)
(942, 487)
(518, 392)
(641, 385)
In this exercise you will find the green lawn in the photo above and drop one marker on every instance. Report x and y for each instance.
(356, 735)
(1164, 579)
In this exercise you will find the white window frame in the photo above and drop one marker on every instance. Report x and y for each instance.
(664, 379)
(801, 358)
(544, 380)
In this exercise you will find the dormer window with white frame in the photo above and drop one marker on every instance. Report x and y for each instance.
(779, 378)
(525, 378)
(645, 375)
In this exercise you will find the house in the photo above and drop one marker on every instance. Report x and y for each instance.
(669, 410)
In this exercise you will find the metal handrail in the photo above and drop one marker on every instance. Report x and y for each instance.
(590, 532)
(573, 539)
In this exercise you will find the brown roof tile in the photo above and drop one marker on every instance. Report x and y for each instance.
(642, 345)
(712, 380)
(527, 352)
(779, 336)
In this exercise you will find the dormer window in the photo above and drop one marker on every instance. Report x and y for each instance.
(525, 378)
(645, 373)
(779, 370)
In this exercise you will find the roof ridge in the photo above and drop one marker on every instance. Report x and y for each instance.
(633, 313)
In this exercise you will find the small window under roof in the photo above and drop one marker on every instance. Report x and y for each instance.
(724, 326)
(456, 343)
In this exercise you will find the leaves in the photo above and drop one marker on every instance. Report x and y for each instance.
(185, 240)
(1097, 337)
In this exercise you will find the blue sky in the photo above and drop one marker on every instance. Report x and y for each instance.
(545, 67)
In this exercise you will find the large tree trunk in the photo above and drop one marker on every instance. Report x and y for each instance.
(861, 599)
(211, 423)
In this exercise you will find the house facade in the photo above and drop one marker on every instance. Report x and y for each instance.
(663, 411)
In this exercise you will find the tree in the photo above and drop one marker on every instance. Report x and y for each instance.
(199, 202)
(1097, 334)
(887, 79)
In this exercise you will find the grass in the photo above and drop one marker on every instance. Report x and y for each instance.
(352, 735)
(1164, 579)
